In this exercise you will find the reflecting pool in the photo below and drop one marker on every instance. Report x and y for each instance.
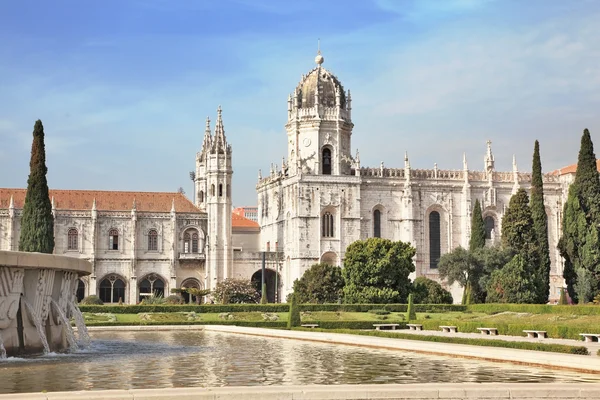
(128, 360)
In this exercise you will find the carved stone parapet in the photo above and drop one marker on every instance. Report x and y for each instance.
(11, 286)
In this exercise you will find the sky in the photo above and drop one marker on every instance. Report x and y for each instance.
(123, 87)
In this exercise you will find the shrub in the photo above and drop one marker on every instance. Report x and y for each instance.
(174, 299)
(379, 312)
(294, 314)
(321, 283)
(428, 291)
(153, 299)
(536, 309)
(411, 314)
(236, 291)
(91, 300)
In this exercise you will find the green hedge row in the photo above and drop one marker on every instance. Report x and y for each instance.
(549, 347)
(535, 309)
(253, 324)
(563, 331)
(354, 324)
(220, 308)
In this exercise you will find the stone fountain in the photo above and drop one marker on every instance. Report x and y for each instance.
(37, 300)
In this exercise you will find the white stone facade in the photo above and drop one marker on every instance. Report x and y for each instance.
(321, 199)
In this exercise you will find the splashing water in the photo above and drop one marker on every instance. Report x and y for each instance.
(66, 326)
(2, 349)
(82, 332)
(37, 321)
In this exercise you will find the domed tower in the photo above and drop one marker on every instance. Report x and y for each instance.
(319, 124)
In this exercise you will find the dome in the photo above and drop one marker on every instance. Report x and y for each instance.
(327, 84)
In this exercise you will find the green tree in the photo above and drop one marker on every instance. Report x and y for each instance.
(294, 314)
(236, 291)
(37, 221)
(376, 271)
(562, 300)
(488, 259)
(477, 240)
(461, 266)
(321, 283)
(411, 313)
(428, 291)
(580, 244)
(540, 224)
(513, 283)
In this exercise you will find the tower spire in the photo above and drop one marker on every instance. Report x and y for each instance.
(207, 143)
(219, 143)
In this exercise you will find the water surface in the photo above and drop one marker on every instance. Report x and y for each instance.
(143, 360)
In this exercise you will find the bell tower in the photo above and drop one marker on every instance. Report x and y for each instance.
(319, 125)
(213, 193)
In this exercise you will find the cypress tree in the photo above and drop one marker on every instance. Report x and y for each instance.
(37, 221)
(477, 240)
(563, 298)
(294, 314)
(580, 241)
(411, 314)
(540, 224)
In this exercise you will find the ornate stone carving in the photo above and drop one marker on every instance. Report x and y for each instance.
(11, 286)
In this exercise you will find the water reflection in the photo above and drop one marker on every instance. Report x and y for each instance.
(125, 360)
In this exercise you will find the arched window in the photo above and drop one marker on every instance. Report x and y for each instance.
(186, 242)
(327, 225)
(201, 196)
(435, 250)
(112, 289)
(194, 242)
(113, 239)
(489, 226)
(191, 240)
(220, 190)
(72, 237)
(326, 161)
(190, 283)
(212, 189)
(376, 223)
(152, 285)
(152, 240)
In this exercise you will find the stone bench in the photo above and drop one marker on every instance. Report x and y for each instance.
(449, 329)
(591, 337)
(415, 327)
(310, 326)
(488, 331)
(381, 327)
(533, 334)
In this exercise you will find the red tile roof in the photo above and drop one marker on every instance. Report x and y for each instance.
(240, 223)
(571, 169)
(106, 200)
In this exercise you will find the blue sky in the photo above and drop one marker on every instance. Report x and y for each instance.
(123, 87)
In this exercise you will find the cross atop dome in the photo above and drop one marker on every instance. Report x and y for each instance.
(319, 58)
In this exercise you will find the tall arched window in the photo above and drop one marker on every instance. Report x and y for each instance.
(113, 239)
(191, 241)
(201, 196)
(220, 190)
(72, 237)
(376, 223)
(194, 242)
(80, 290)
(489, 226)
(152, 240)
(187, 242)
(435, 250)
(327, 225)
(212, 190)
(326, 161)
(152, 285)
(112, 289)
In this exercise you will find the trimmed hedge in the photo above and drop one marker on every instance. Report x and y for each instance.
(564, 331)
(535, 309)
(354, 324)
(281, 307)
(253, 324)
(549, 347)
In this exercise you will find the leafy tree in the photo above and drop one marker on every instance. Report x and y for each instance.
(321, 283)
(376, 271)
(428, 291)
(540, 224)
(477, 240)
(411, 313)
(236, 291)
(294, 314)
(488, 259)
(513, 283)
(580, 244)
(37, 222)
(461, 266)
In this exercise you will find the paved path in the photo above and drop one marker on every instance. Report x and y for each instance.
(592, 347)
